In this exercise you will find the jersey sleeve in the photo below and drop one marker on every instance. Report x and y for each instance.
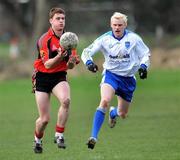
(143, 52)
(74, 52)
(91, 50)
(43, 49)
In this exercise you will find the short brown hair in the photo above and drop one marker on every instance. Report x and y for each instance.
(55, 10)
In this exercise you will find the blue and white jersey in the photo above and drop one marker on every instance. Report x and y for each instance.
(122, 56)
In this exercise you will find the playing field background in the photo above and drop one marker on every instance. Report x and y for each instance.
(151, 131)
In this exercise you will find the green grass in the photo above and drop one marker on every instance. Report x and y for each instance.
(150, 132)
(4, 50)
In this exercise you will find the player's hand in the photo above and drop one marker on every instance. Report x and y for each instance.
(61, 53)
(73, 60)
(143, 71)
(77, 59)
(92, 66)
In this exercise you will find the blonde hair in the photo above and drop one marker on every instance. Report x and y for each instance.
(118, 15)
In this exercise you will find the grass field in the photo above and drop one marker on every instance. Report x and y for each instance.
(151, 131)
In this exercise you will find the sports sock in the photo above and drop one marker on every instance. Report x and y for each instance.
(38, 137)
(59, 131)
(60, 135)
(97, 122)
(114, 113)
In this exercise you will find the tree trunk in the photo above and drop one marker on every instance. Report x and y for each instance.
(40, 24)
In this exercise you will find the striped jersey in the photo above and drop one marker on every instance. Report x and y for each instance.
(47, 46)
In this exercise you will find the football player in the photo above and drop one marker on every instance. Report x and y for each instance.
(50, 70)
(125, 53)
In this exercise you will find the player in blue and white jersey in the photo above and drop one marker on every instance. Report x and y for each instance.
(125, 54)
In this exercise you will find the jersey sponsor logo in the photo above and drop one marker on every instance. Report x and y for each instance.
(119, 56)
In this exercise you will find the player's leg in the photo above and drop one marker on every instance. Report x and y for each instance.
(62, 92)
(43, 105)
(124, 92)
(123, 107)
(120, 111)
(107, 93)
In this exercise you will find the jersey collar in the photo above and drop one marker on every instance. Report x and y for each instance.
(120, 37)
(52, 33)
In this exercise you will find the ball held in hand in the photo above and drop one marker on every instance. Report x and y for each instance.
(69, 40)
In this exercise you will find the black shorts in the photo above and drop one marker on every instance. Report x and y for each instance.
(45, 82)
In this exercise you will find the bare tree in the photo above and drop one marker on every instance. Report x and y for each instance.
(40, 22)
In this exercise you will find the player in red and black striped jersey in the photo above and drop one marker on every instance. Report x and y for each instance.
(50, 70)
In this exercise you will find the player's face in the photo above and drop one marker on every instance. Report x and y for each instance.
(58, 22)
(118, 26)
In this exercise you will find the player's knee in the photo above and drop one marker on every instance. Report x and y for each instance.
(66, 103)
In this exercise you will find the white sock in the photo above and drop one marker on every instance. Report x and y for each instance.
(60, 135)
(38, 140)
